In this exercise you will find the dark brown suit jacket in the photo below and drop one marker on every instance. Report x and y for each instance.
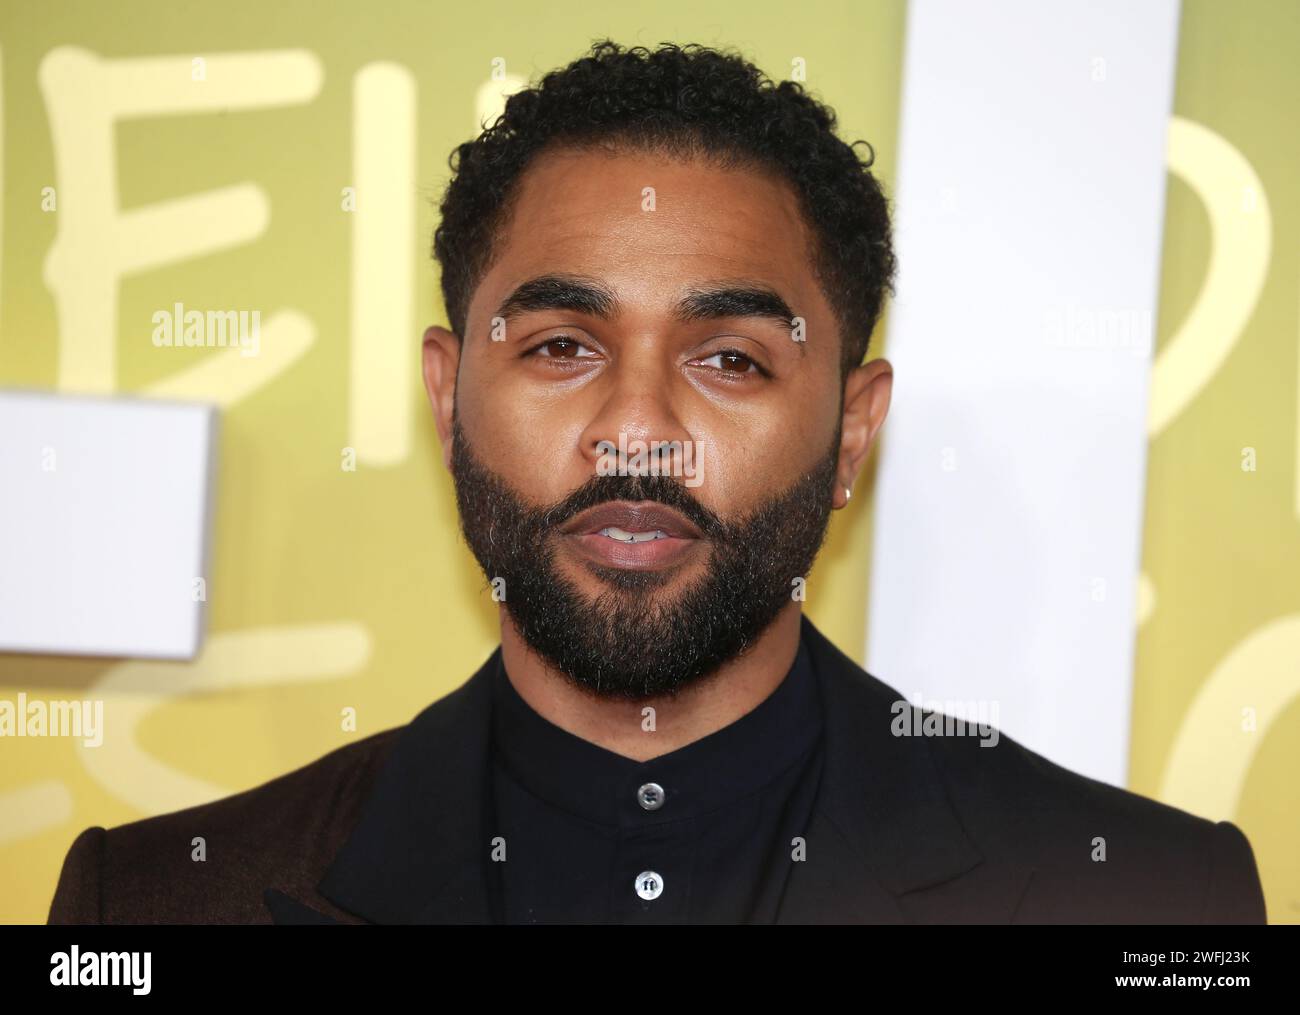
(396, 828)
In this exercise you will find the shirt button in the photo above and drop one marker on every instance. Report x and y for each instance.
(649, 885)
(650, 796)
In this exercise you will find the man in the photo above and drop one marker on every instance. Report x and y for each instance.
(661, 273)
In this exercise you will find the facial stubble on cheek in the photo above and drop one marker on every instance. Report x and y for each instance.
(634, 639)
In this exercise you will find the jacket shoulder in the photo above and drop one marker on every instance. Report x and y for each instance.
(212, 862)
(1093, 852)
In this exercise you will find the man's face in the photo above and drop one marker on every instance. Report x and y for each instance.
(637, 300)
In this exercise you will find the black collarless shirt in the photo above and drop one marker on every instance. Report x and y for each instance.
(704, 834)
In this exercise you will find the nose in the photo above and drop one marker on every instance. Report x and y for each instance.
(638, 410)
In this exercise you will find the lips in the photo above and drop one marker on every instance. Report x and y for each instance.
(632, 522)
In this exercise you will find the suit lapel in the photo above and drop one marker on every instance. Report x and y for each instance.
(420, 850)
(285, 909)
(886, 844)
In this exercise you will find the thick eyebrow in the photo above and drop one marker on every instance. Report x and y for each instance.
(735, 300)
(559, 292)
(588, 296)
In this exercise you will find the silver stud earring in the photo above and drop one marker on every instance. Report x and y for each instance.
(848, 493)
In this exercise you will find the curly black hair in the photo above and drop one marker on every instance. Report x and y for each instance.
(686, 101)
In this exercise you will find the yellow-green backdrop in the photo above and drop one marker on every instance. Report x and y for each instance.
(333, 589)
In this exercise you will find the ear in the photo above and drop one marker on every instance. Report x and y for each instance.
(866, 401)
(441, 355)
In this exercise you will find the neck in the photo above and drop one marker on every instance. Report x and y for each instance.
(739, 686)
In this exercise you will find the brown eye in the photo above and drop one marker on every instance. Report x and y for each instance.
(732, 362)
(561, 347)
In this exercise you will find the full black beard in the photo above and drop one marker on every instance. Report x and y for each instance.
(627, 644)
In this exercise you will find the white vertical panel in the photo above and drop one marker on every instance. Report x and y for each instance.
(1030, 206)
(105, 508)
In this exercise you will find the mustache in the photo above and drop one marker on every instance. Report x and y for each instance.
(664, 490)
